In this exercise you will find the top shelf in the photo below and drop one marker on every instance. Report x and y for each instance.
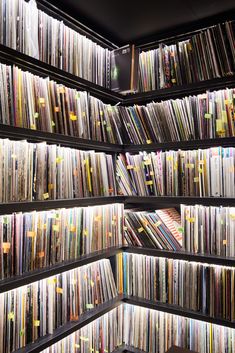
(12, 57)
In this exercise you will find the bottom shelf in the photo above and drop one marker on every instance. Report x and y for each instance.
(70, 327)
(60, 333)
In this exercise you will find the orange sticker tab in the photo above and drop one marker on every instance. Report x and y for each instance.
(72, 228)
(6, 247)
(31, 234)
(41, 254)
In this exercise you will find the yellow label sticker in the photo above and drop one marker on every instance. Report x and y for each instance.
(196, 180)
(56, 228)
(31, 234)
(11, 316)
(148, 142)
(33, 127)
(85, 232)
(189, 165)
(59, 160)
(224, 242)
(190, 219)
(149, 182)
(50, 186)
(90, 306)
(59, 290)
(208, 116)
(169, 158)
(72, 228)
(73, 117)
(46, 196)
(147, 162)
(140, 230)
(36, 323)
(129, 167)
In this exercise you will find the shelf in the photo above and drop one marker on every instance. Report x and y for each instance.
(189, 145)
(141, 202)
(12, 57)
(151, 202)
(182, 255)
(180, 91)
(30, 277)
(7, 208)
(37, 275)
(72, 326)
(17, 133)
(176, 310)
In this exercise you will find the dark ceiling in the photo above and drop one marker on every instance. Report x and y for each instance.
(128, 21)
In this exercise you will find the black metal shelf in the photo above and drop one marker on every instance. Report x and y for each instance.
(12, 57)
(179, 91)
(182, 255)
(150, 202)
(142, 202)
(183, 145)
(176, 310)
(37, 275)
(17, 133)
(7, 208)
(60, 333)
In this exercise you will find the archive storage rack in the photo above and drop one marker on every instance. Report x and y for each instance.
(10, 56)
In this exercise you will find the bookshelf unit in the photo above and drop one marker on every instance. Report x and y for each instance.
(10, 56)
